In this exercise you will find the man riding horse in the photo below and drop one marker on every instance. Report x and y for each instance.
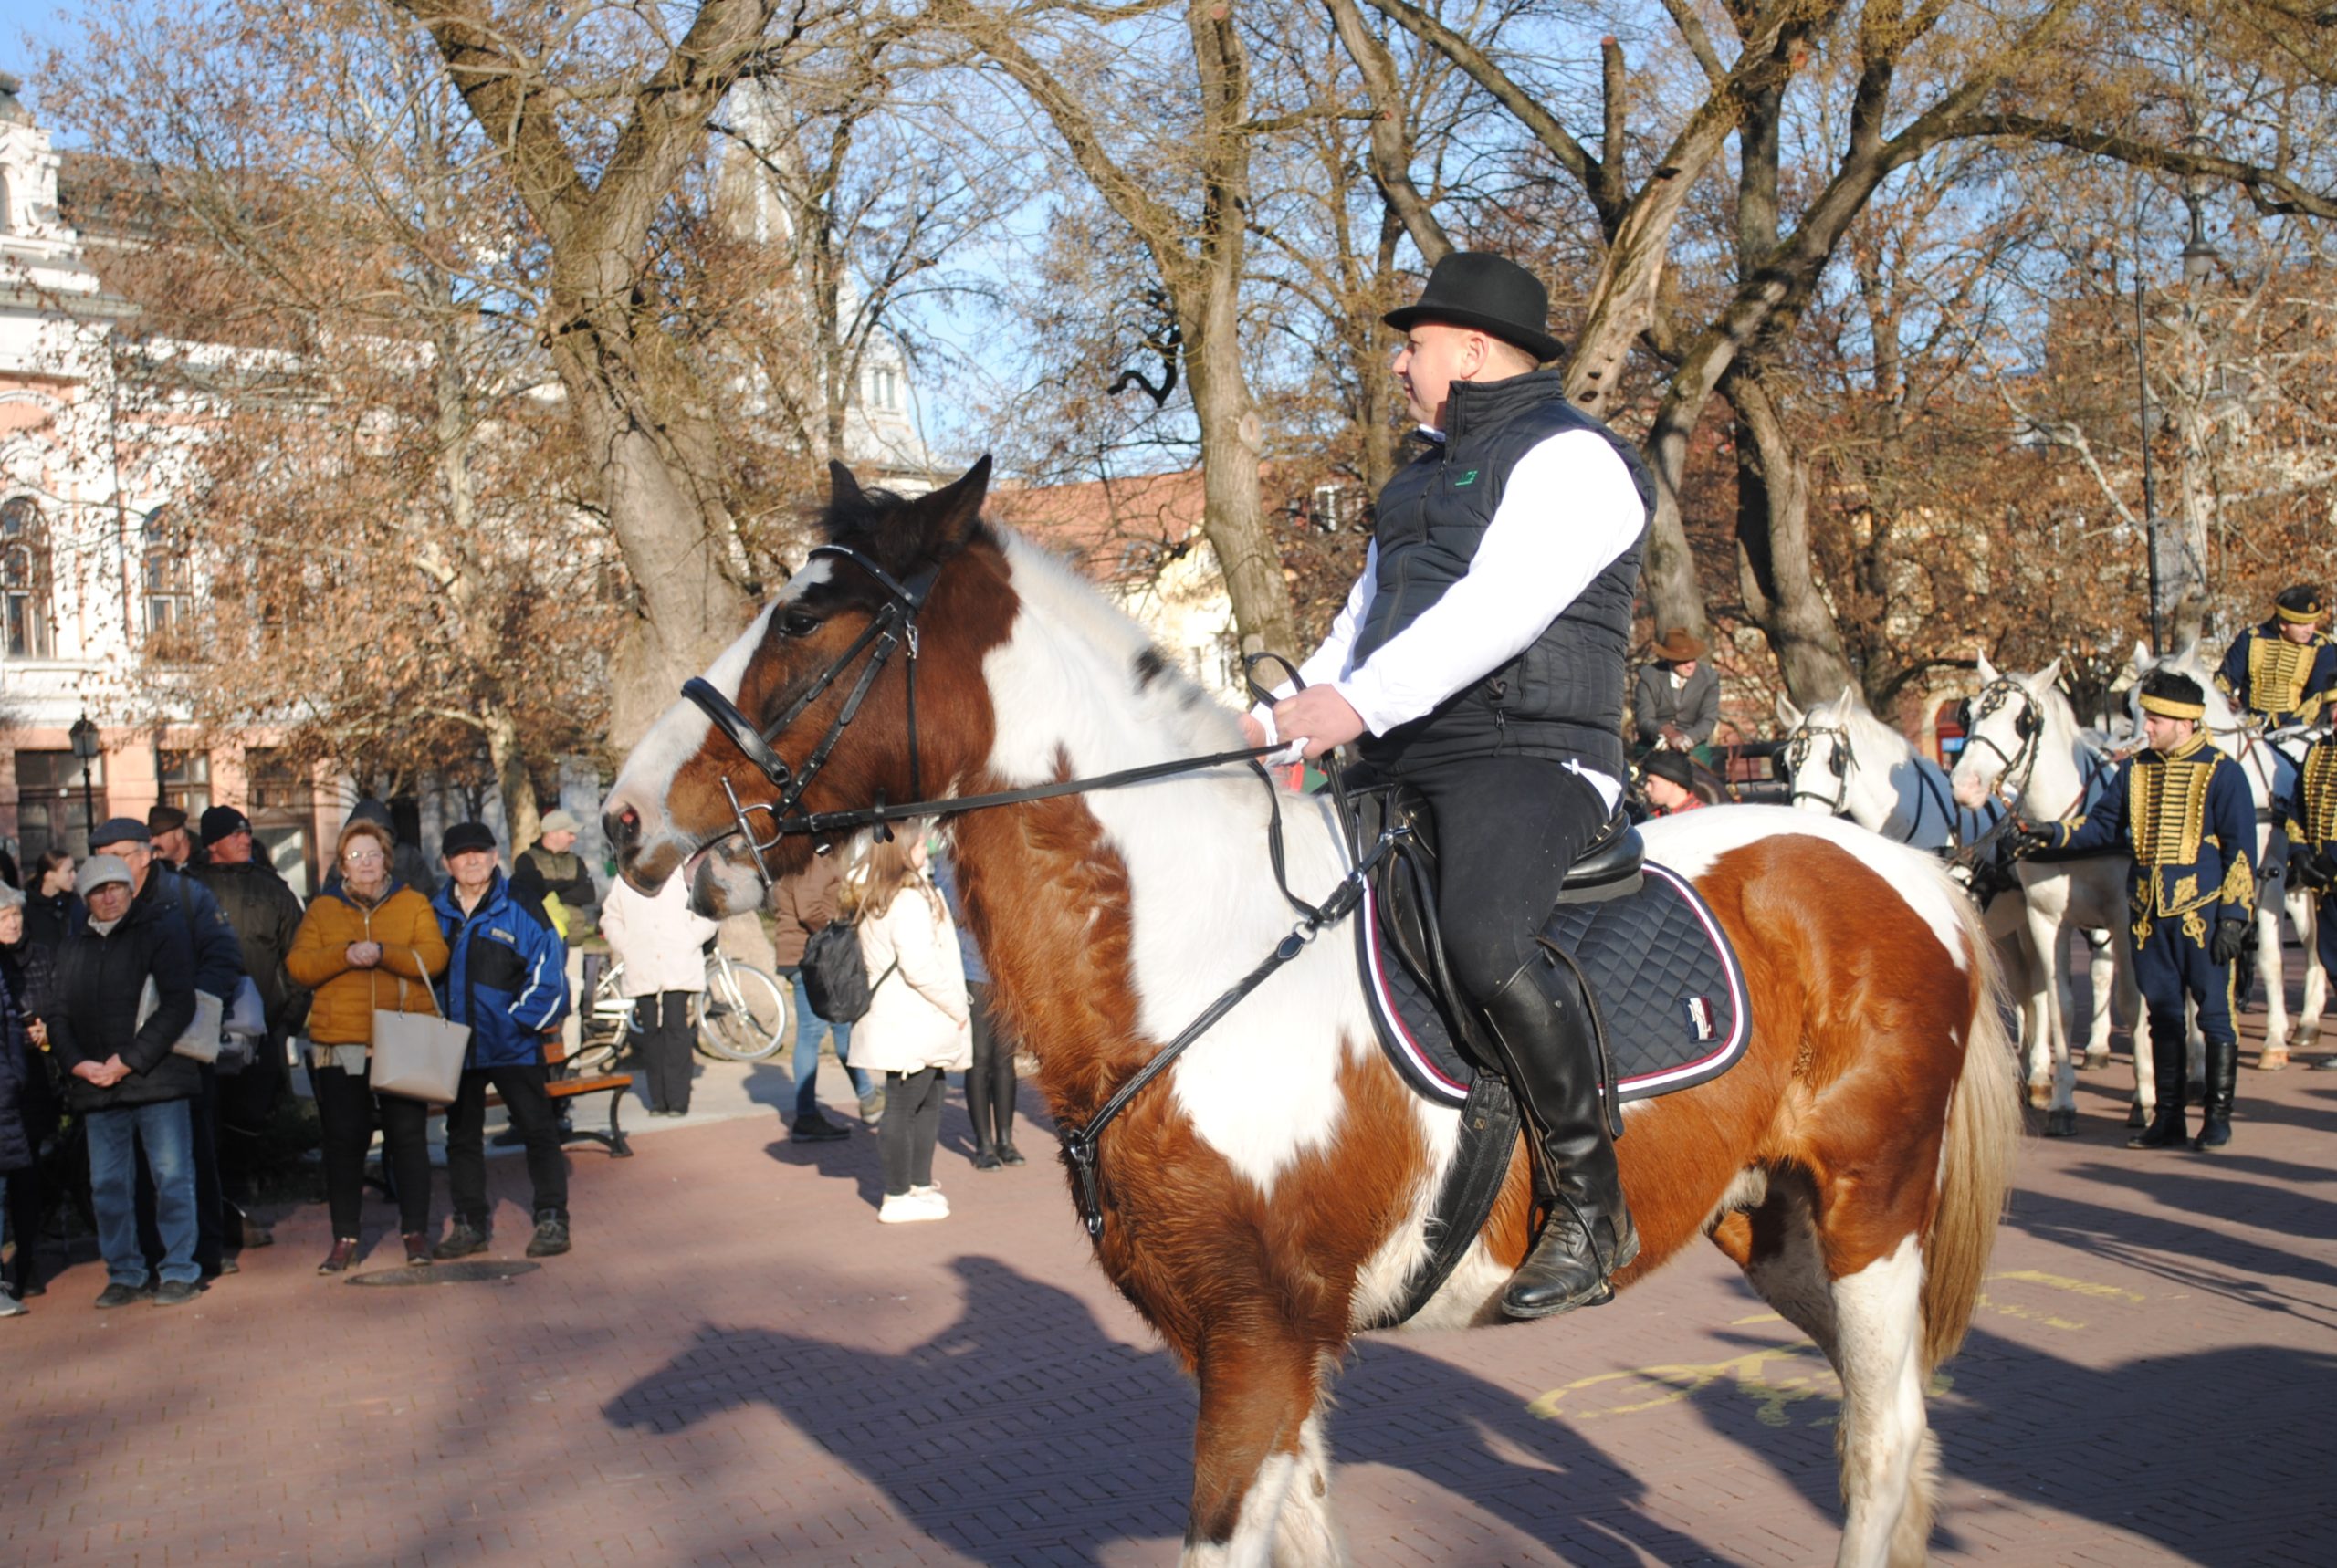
(2283, 672)
(1479, 660)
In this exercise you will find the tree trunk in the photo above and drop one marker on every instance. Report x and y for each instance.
(1235, 514)
(509, 763)
(1773, 559)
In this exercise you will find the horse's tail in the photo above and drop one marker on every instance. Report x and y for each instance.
(1983, 1137)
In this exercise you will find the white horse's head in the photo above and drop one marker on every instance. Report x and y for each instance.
(1822, 753)
(2005, 733)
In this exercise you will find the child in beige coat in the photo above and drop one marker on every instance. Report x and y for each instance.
(918, 1027)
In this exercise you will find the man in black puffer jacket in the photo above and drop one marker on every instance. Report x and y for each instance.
(124, 993)
(1479, 660)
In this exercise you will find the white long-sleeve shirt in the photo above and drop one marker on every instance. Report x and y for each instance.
(1569, 509)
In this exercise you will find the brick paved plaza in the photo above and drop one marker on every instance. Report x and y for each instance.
(739, 1365)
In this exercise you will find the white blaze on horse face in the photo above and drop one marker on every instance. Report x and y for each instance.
(1261, 1086)
(1688, 843)
(683, 730)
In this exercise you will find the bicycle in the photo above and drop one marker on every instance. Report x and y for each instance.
(743, 1015)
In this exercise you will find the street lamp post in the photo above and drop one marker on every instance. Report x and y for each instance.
(2199, 259)
(85, 746)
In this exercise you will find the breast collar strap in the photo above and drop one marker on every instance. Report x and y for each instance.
(893, 626)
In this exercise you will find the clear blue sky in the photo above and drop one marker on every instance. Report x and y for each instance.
(48, 22)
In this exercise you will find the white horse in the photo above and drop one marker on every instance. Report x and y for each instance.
(2245, 744)
(2023, 750)
(1848, 763)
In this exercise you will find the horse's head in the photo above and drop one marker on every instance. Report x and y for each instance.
(2003, 731)
(1820, 752)
(822, 680)
(2221, 719)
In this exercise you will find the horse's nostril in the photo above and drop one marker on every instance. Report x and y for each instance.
(622, 825)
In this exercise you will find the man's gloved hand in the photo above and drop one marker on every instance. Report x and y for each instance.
(2312, 868)
(2027, 838)
(2229, 941)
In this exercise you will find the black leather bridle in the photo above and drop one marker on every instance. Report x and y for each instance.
(893, 626)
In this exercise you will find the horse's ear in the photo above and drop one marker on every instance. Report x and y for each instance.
(2190, 654)
(843, 490)
(1849, 701)
(950, 515)
(2047, 676)
(1987, 672)
(2140, 664)
(1787, 715)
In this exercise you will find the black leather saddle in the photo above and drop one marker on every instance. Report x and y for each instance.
(1664, 980)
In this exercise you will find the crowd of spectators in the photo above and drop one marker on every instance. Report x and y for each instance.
(155, 997)
(127, 980)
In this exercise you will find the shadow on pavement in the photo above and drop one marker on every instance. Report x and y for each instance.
(992, 1452)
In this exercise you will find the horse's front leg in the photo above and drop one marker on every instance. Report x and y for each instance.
(2304, 912)
(2101, 978)
(1261, 1467)
(2052, 1078)
(2268, 974)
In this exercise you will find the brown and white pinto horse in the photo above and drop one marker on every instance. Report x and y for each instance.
(1268, 1197)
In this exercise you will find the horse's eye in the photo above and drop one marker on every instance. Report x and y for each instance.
(798, 623)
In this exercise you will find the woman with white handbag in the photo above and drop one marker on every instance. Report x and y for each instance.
(371, 945)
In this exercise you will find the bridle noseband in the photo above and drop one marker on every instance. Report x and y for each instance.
(2028, 728)
(893, 626)
(1841, 759)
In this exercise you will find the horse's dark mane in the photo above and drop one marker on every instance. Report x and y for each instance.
(883, 525)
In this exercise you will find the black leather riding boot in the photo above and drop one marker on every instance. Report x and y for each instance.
(2167, 1130)
(1552, 1055)
(2223, 1082)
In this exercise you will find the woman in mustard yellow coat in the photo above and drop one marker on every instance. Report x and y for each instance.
(371, 943)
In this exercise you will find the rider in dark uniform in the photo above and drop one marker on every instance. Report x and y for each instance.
(2283, 672)
(2183, 809)
(2313, 852)
(1481, 659)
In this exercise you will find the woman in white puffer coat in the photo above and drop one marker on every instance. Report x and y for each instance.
(916, 1026)
(661, 941)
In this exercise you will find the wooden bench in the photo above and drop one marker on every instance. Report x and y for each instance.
(562, 1089)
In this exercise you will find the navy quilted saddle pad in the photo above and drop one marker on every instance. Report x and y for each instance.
(1661, 968)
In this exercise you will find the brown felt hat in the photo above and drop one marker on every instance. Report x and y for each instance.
(1677, 647)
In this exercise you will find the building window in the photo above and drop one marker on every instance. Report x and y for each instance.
(186, 780)
(24, 580)
(275, 782)
(52, 810)
(884, 389)
(169, 587)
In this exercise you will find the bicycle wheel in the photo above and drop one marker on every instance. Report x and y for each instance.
(607, 1026)
(744, 1014)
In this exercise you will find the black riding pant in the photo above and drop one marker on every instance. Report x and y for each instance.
(1507, 828)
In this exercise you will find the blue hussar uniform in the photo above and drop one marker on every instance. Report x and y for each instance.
(2277, 681)
(2187, 819)
(2312, 837)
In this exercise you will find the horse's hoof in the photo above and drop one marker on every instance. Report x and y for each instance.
(2272, 1059)
(2138, 1117)
(2095, 1060)
(2062, 1124)
(2040, 1096)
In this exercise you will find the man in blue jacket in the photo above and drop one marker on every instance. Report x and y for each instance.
(507, 978)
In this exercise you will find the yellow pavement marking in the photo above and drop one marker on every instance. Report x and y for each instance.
(1776, 1377)
(2063, 1282)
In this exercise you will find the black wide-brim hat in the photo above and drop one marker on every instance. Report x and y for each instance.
(1492, 294)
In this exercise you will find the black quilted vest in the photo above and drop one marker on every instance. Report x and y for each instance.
(1562, 697)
